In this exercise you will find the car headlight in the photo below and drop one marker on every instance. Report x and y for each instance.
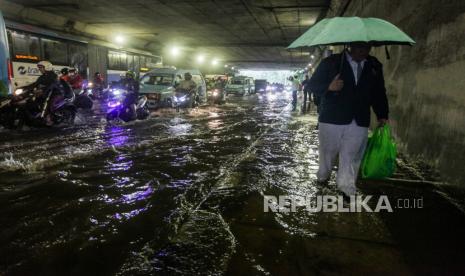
(18, 92)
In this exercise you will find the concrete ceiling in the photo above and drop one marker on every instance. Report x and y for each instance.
(244, 33)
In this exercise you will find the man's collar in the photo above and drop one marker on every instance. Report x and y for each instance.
(350, 59)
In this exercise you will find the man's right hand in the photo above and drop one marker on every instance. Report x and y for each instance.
(336, 84)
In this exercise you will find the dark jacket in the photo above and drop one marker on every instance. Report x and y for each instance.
(305, 85)
(131, 85)
(45, 80)
(353, 101)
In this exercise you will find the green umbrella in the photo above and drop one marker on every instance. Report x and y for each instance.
(343, 30)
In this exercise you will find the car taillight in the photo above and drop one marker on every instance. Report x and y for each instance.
(10, 69)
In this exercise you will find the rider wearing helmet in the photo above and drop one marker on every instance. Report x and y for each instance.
(187, 83)
(64, 74)
(47, 78)
(132, 86)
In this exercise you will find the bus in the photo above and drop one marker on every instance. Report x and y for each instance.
(29, 45)
(5, 66)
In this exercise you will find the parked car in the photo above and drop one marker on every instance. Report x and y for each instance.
(158, 85)
(240, 85)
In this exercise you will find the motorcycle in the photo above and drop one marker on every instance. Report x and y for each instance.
(11, 108)
(117, 109)
(84, 96)
(217, 96)
(37, 108)
(183, 99)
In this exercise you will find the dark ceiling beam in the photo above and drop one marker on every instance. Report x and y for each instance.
(280, 27)
(263, 61)
(241, 44)
(56, 5)
(294, 7)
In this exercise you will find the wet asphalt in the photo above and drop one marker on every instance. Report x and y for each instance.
(183, 194)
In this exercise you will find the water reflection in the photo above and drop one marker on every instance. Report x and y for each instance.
(215, 124)
(118, 136)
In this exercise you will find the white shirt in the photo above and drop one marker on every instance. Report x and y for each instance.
(353, 64)
(295, 85)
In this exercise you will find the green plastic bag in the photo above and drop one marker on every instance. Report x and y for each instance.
(379, 160)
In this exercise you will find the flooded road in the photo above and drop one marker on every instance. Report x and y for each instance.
(183, 194)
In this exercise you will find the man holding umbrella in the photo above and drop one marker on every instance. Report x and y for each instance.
(348, 86)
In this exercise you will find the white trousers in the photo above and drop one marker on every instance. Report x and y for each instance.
(349, 141)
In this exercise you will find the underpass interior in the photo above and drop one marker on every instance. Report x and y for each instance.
(184, 193)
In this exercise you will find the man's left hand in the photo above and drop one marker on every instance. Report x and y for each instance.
(382, 122)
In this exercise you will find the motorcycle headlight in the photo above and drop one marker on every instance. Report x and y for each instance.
(180, 99)
(18, 92)
(114, 104)
(117, 92)
(215, 93)
(90, 84)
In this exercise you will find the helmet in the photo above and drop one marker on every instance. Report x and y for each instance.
(46, 64)
(64, 71)
(73, 70)
(187, 76)
(130, 74)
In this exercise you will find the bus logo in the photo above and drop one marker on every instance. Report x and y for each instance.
(22, 70)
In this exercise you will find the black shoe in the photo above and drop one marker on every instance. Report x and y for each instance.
(322, 183)
(346, 198)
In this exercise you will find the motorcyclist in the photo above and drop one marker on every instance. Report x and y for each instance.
(75, 80)
(188, 84)
(131, 85)
(64, 74)
(219, 85)
(99, 83)
(47, 78)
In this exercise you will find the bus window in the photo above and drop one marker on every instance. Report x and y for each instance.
(136, 63)
(25, 47)
(117, 61)
(55, 51)
(130, 59)
(78, 57)
(143, 62)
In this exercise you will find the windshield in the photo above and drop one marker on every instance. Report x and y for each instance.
(158, 80)
(237, 81)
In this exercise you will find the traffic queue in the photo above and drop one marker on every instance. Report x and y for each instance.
(54, 99)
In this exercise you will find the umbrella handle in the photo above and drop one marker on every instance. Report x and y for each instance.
(342, 60)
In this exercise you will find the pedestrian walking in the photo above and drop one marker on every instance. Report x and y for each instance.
(346, 98)
(295, 89)
(306, 89)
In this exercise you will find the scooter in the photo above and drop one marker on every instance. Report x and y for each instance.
(84, 96)
(217, 96)
(53, 109)
(183, 99)
(117, 110)
(11, 107)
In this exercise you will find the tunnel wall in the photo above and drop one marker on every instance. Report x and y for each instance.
(426, 82)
